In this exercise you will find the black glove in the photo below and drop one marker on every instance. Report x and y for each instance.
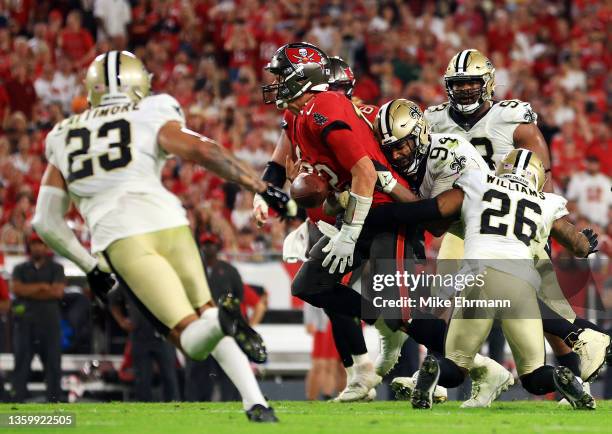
(100, 283)
(279, 201)
(592, 239)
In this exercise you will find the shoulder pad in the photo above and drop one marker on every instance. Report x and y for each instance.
(469, 179)
(557, 204)
(516, 112)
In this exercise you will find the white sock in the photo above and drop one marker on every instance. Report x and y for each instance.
(361, 359)
(478, 361)
(238, 369)
(200, 337)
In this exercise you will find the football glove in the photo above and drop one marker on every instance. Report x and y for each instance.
(592, 239)
(341, 246)
(279, 201)
(100, 283)
(385, 181)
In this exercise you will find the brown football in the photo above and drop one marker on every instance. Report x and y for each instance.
(309, 190)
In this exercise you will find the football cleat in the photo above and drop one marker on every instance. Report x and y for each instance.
(593, 348)
(360, 385)
(429, 374)
(261, 414)
(390, 347)
(570, 387)
(587, 389)
(233, 324)
(488, 382)
(403, 386)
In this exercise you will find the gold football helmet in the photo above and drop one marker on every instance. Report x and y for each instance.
(523, 166)
(466, 66)
(116, 76)
(401, 122)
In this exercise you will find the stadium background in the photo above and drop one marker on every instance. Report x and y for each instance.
(209, 55)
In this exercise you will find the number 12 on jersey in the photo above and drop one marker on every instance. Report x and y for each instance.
(80, 164)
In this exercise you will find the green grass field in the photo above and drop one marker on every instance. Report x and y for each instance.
(321, 417)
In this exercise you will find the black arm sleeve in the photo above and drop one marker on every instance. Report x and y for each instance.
(275, 174)
(421, 211)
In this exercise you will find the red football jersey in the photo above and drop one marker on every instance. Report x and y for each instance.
(324, 113)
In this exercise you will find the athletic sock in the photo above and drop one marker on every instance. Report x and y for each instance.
(200, 337)
(237, 367)
(539, 382)
(570, 360)
(586, 324)
(428, 331)
(348, 336)
(360, 359)
(450, 374)
(555, 324)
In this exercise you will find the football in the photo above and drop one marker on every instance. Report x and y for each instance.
(309, 190)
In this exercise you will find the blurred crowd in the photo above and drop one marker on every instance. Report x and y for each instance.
(209, 55)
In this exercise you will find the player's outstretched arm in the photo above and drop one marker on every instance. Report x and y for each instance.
(581, 244)
(529, 136)
(187, 144)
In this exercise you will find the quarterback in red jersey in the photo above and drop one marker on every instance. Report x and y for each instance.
(334, 138)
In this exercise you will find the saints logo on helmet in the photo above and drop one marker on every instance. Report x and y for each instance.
(469, 66)
(116, 76)
(298, 67)
(524, 167)
(403, 133)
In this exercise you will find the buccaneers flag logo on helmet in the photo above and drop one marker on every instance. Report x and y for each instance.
(299, 55)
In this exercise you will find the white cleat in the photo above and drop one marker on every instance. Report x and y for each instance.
(586, 387)
(390, 347)
(360, 386)
(592, 347)
(403, 386)
(488, 381)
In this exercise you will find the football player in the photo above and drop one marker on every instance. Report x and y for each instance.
(345, 329)
(433, 162)
(504, 218)
(494, 128)
(107, 161)
(333, 138)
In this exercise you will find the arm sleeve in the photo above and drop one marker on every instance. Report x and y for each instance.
(404, 213)
(49, 223)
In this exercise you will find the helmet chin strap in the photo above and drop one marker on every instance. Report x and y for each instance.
(469, 108)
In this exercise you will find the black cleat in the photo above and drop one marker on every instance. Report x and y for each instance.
(261, 414)
(568, 385)
(429, 374)
(235, 325)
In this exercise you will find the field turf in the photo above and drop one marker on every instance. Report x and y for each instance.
(321, 417)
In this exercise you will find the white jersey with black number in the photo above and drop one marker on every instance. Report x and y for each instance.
(111, 161)
(493, 134)
(449, 156)
(505, 221)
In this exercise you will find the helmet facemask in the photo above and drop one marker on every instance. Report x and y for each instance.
(466, 100)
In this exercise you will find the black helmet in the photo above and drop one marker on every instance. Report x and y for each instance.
(342, 77)
(299, 67)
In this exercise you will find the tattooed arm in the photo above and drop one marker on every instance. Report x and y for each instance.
(190, 145)
(579, 243)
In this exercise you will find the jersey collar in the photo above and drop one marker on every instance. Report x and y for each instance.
(467, 122)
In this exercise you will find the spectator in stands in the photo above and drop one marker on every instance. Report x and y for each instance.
(223, 278)
(5, 306)
(20, 90)
(64, 85)
(112, 17)
(147, 347)
(38, 286)
(75, 42)
(590, 192)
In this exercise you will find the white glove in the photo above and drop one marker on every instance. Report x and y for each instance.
(341, 247)
(260, 210)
